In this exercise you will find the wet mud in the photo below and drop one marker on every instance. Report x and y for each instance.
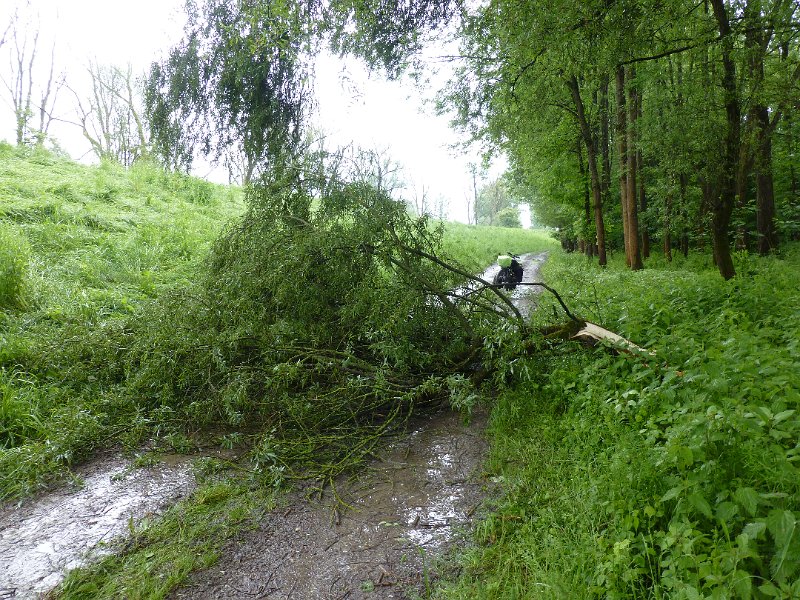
(376, 537)
(44, 537)
(379, 536)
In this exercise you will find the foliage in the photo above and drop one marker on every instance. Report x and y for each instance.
(679, 469)
(102, 243)
(537, 81)
(325, 318)
(238, 78)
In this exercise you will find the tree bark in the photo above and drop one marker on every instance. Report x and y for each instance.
(622, 153)
(630, 196)
(723, 201)
(591, 152)
(642, 196)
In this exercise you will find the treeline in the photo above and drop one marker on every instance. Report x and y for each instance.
(643, 126)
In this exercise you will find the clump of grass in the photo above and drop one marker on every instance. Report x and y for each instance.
(14, 264)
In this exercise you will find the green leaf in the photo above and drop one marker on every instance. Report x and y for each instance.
(726, 511)
(781, 524)
(699, 503)
(673, 493)
(743, 584)
(768, 589)
(755, 530)
(747, 498)
(782, 416)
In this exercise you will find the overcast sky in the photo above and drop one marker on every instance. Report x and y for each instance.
(370, 112)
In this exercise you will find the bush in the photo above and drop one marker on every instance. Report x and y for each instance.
(14, 259)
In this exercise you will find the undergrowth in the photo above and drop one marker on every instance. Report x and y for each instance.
(672, 476)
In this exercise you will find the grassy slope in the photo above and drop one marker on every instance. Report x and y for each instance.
(101, 242)
(675, 477)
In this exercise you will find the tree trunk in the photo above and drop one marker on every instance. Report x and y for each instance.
(742, 177)
(666, 234)
(723, 202)
(588, 246)
(642, 195)
(683, 183)
(630, 196)
(588, 140)
(605, 180)
(622, 152)
(765, 192)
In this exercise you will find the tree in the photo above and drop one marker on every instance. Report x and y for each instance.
(23, 63)
(111, 119)
(238, 78)
(509, 217)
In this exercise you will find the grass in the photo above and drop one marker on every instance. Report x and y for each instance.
(673, 477)
(478, 246)
(159, 553)
(81, 250)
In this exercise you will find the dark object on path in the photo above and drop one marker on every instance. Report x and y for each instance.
(510, 273)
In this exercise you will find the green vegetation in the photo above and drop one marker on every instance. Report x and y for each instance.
(159, 553)
(82, 250)
(672, 476)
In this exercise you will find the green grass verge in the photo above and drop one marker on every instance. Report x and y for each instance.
(81, 250)
(673, 477)
(159, 553)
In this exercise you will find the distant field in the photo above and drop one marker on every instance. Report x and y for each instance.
(477, 245)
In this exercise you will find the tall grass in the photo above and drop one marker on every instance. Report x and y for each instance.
(82, 249)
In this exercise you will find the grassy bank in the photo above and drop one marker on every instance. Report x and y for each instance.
(82, 249)
(666, 477)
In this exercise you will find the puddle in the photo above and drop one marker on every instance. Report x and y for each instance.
(43, 538)
(404, 513)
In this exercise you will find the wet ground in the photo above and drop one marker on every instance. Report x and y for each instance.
(380, 537)
(400, 516)
(43, 538)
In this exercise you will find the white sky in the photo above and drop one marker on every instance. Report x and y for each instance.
(370, 112)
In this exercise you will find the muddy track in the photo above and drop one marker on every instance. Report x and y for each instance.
(44, 537)
(382, 537)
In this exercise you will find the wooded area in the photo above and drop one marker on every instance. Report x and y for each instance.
(642, 123)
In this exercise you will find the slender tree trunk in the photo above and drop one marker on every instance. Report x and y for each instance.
(588, 140)
(630, 197)
(683, 183)
(622, 153)
(723, 202)
(605, 181)
(587, 245)
(742, 178)
(667, 238)
(765, 192)
(642, 195)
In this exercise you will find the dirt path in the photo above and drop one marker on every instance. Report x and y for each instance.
(404, 514)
